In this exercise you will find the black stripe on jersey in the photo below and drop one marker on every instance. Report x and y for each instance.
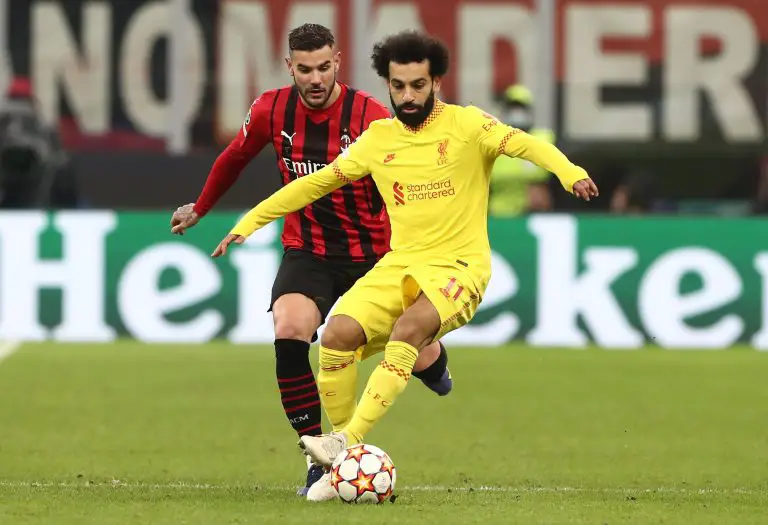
(289, 124)
(272, 132)
(316, 149)
(366, 243)
(362, 114)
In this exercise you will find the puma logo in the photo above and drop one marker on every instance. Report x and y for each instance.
(289, 137)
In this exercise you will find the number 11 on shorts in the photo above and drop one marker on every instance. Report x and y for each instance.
(446, 290)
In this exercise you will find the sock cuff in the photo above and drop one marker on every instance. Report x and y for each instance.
(436, 370)
(331, 360)
(401, 355)
(291, 345)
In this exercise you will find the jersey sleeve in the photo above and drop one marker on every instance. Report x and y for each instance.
(496, 138)
(253, 135)
(351, 165)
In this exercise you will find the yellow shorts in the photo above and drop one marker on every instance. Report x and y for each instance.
(381, 296)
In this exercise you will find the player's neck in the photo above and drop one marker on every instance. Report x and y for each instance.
(328, 103)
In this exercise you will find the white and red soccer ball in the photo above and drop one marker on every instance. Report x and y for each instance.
(363, 474)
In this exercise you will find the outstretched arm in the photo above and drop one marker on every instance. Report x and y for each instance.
(250, 140)
(517, 143)
(346, 168)
(499, 139)
(291, 197)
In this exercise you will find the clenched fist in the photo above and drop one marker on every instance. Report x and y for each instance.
(585, 189)
(184, 217)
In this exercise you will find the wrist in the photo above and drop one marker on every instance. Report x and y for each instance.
(198, 210)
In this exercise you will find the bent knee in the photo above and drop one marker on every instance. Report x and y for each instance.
(343, 333)
(411, 330)
(295, 319)
(295, 329)
(407, 328)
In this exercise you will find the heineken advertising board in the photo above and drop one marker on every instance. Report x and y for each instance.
(558, 280)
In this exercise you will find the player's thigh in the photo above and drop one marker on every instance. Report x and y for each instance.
(302, 294)
(419, 323)
(451, 291)
(375, 301)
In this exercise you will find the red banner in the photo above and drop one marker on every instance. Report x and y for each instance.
(658, 72)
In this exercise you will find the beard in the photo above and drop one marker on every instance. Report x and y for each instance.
(315, 102)
(415, 118)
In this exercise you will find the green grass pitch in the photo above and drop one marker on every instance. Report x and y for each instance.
(127, 433)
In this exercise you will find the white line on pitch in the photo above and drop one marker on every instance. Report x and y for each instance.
(406, 488)
(8, 348)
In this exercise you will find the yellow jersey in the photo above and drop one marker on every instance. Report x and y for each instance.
(512, 176)
(434, 180)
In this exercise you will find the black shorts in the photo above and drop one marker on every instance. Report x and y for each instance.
(321, 280)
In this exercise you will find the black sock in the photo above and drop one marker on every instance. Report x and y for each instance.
(436, 370)
(298, 389)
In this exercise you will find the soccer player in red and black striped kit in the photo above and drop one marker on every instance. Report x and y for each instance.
(329, 244)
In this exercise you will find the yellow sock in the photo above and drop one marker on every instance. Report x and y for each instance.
(387, 381)
(336, 383)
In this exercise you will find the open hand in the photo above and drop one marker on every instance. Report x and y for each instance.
(184, 217)
(585, 189)
(221, 249)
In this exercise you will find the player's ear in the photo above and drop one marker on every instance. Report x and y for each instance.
(337, 61)
(436, 82)
(289, 63)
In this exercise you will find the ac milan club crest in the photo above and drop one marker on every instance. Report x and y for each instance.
(345, 141)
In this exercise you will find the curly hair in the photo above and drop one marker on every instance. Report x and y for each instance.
(310, 37)
(407, 47)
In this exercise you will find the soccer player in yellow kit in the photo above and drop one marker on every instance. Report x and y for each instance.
(432, 165)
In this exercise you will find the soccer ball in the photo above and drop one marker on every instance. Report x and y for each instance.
(363, 474)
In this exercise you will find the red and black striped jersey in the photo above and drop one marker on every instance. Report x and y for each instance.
(350, 223)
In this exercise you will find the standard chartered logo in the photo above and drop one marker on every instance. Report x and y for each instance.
(429, 191)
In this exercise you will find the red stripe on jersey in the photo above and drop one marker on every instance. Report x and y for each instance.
(367, 196)
(350, 222)
(291, 236)
(357, 207)
(299, 125)
(339, 204)
(369, 199)
(357, 122)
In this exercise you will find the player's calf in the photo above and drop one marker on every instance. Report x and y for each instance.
(296, 318)
(432, 369)
(337, 378)
(413, 331)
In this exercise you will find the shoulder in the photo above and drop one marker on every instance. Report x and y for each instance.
(259, 113)
(374, 109)
(376, 105)
(477, 120)
(475, 113)
(267, 99)
(381, 126)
